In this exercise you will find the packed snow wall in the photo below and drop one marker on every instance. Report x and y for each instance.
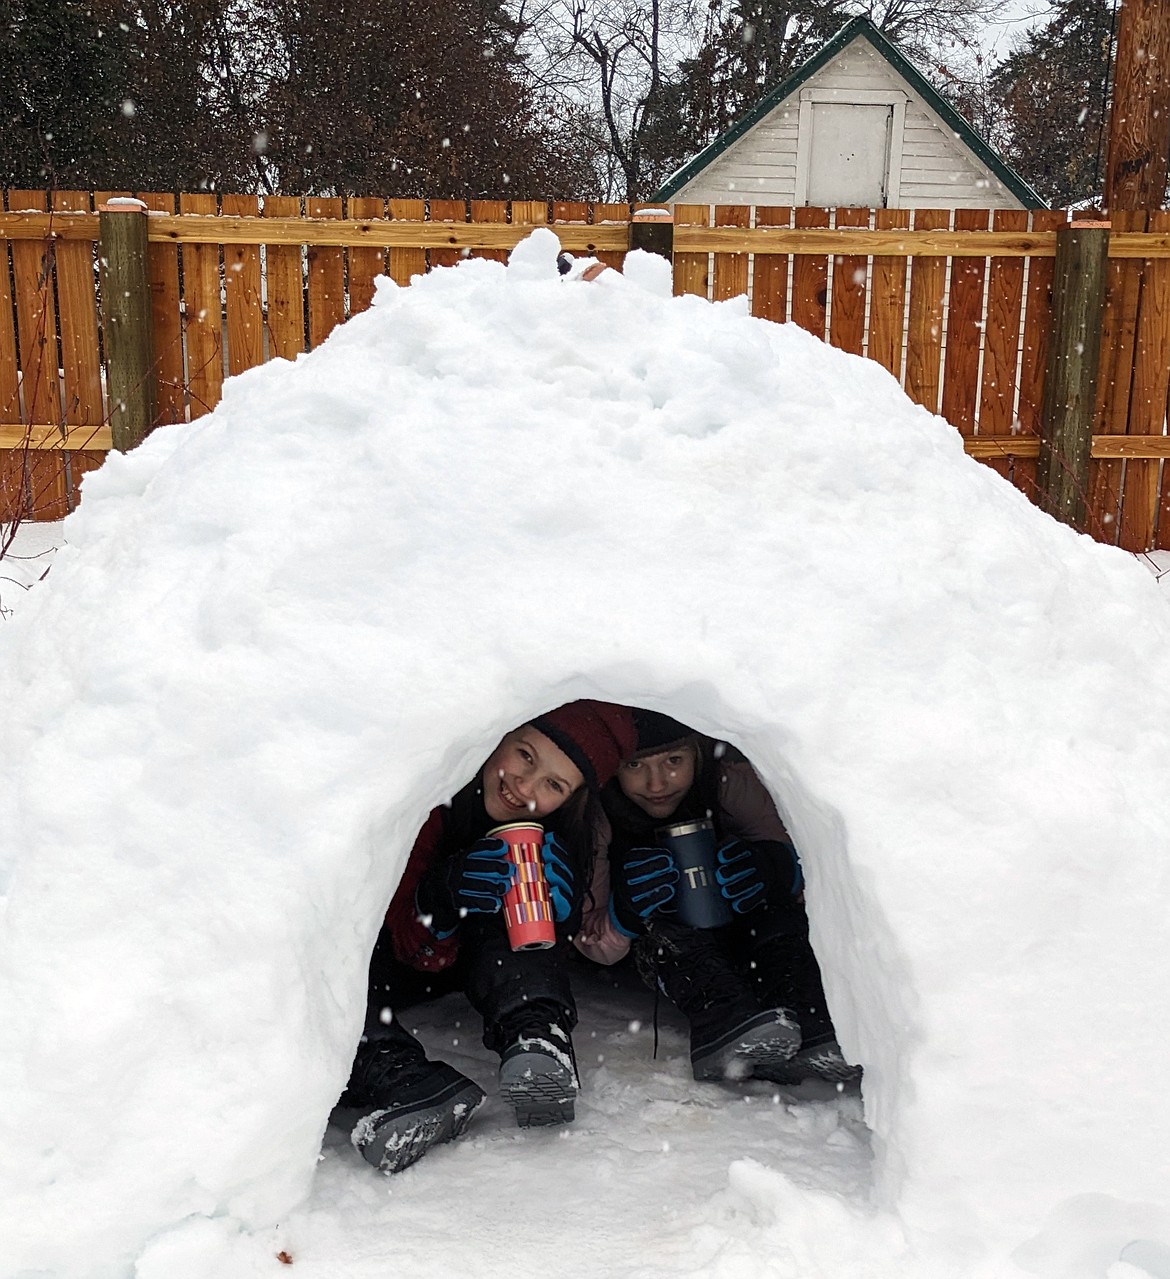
(279, 635)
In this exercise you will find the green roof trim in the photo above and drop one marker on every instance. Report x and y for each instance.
(855, 27)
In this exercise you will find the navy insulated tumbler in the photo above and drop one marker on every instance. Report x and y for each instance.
(692, 846)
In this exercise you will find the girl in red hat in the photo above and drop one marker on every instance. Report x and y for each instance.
(444, 931)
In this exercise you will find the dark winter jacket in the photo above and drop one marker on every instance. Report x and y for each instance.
(727, 790)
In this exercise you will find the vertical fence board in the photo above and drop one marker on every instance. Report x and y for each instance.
(1034, 353)
(1162, 537)
(924, 337)
(566, 212)
(497, 211)
(1139, 504)
(77, 308)
(729, 278)
(529, 212)
(1115, 377)
(770, 270)
(691, 272)
(12, 461)
(405, 263)
(47, 487)
(80, 356)
(1005, 296)
(326, 277)
(36, 324)
(1162, 533)
(1113, 381)
(847, 314)
(285, 281)
(448, 211)
(166, 319)
(241, 282)
(203, 318)
(887, 303)
(810, 277)
(960, 388)
(1147, 406)
(9, 379)
(1119, 330)
(365, 265)
(611, 213)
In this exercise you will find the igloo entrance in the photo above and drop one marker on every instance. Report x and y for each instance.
(597, 833)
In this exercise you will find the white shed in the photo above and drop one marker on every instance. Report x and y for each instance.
(856, 125)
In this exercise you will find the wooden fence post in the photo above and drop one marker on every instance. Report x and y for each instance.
(1070, 379)
(130, 375)
(653, 231)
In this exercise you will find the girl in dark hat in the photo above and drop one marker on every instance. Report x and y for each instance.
(444, 931)
(750, 988)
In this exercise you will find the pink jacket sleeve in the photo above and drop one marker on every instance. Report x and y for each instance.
(598, 939)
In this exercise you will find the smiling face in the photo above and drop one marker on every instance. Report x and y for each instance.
(527, 777)
(659, 783)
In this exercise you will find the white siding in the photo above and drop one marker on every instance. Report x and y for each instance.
(938, 170)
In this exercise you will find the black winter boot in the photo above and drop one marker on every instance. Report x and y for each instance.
(818, 1061)
(733, 1034)
(398, 1104)
(538, 1072)
(786, 969)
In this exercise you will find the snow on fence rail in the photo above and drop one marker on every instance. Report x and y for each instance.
(957, 304)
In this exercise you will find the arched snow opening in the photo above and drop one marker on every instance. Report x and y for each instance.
(280, 635)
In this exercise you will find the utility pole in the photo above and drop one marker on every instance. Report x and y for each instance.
(1139, 123)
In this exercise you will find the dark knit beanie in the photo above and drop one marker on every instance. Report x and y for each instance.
(658, 732)
(596, 736)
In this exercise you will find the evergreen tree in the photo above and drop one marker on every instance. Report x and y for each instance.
(128, 94)
(192, 86)
(1050, 98)
(59, 92)
(747, 50)
(319, 96)
(412, 99)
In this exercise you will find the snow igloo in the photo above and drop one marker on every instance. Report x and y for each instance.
(279, 635)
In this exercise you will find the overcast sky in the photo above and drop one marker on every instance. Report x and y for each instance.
(1017, 16)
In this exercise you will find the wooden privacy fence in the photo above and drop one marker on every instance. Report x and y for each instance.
(957, 304)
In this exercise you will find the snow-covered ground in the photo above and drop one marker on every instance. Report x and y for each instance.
(659, 1176)
(270, 641)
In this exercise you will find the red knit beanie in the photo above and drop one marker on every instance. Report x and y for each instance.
(596, 736)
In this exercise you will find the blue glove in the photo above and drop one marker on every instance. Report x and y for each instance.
(473, 883)
(748, 874)
(558, 874)
(643, 883)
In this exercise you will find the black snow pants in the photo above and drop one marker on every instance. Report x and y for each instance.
(763, 958)
(498, 981)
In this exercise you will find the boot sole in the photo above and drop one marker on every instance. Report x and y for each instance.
(392, 1141)
(540, 1089)
(826, 1062)
(769, 1041)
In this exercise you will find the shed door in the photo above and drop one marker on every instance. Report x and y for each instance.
(849, 154)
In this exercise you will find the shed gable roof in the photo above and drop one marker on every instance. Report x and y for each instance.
(856, 28)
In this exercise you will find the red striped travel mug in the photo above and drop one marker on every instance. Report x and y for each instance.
(527, 908)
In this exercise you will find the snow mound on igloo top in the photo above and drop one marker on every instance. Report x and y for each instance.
(279, 635)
